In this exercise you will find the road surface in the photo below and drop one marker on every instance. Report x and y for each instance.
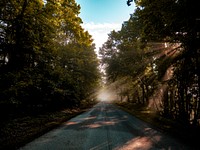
(105, 127)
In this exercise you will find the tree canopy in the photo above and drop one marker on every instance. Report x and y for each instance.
(154, 58)
(46, 57)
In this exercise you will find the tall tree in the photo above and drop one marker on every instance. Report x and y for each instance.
(45, 53)
(176, 22)
(158, 49)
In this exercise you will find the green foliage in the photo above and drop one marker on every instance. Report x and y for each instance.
(46, 58)
(157, 53)
(176, 22)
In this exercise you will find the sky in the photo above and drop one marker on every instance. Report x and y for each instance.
(100, 17)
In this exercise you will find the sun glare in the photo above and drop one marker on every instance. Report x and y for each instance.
(105, 95)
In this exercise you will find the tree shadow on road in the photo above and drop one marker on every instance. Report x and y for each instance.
(123, 131)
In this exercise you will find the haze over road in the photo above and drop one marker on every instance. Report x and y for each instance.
(105, 127)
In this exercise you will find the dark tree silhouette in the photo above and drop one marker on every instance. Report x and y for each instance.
(129, 2)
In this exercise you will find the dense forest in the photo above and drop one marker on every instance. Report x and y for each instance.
(154, 60)
(47, 60)
(49, 68)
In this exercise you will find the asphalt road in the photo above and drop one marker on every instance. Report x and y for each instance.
(105, 127)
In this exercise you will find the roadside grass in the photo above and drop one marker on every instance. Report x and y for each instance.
(187, 135)
(18, 131)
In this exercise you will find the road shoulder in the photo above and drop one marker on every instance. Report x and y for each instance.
(167, 126)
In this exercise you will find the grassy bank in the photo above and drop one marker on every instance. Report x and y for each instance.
(187, 135)
(17, 131)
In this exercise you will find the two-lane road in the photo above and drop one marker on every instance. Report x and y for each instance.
(105, 127)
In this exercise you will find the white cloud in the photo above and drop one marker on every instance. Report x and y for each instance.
(100, 31)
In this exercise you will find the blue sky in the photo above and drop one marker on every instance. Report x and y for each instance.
(102, 16)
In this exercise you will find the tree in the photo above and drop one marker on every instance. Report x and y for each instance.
(157, 50)
(176, 22)
(47, 58)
